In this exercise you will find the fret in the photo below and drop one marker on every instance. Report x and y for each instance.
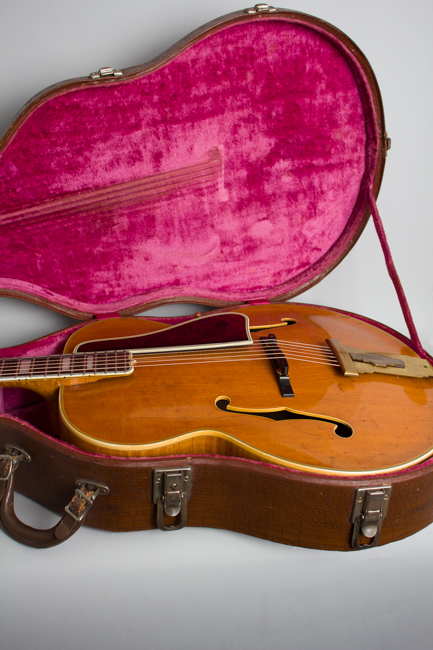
(116, 362)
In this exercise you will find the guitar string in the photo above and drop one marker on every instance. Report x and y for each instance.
(229, 355)
(116, 366)
(184, 363)
(151, 360)
(326, 352)
(238, 353)
(107, 371)
(101, 357)
(282, 344)
(259, 343)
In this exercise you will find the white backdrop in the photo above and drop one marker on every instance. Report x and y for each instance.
(198, 588)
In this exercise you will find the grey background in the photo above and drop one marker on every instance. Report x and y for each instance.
(207, 588)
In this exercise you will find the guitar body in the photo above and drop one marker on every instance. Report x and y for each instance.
(166, 409)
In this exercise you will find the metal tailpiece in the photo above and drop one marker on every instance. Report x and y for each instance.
(171, 492)
(354, 362)
(368, 512)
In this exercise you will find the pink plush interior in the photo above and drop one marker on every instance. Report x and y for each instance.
(237, 170)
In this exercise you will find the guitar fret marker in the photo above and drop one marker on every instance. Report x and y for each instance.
(67, 365)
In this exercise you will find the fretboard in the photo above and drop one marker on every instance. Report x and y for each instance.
(82, 364)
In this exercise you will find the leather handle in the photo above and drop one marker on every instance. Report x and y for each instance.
(25, 534)
(72, 520)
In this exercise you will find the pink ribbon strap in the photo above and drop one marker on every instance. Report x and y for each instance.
(394, 276)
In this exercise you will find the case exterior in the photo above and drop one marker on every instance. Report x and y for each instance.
(246, 496)
(266, 501)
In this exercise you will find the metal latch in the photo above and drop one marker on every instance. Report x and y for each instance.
(368, 512)
(387, 143)
(257, 9)
(171, 491)
(106, 72)
(85, 494)
(13, 456)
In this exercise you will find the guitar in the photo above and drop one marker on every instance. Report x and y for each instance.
(293, 385)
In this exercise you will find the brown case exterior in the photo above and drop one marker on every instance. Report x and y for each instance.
(245, 496)
(266, 501)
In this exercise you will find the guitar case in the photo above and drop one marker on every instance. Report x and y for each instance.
(238, 168)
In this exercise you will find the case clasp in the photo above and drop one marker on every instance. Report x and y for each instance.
(368, 512)
(171, 492)
(84, 497)
(106, 72)
(258, 9)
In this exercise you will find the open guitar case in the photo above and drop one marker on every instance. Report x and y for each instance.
(239, 167)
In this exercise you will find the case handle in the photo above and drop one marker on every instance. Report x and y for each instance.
(75, 512)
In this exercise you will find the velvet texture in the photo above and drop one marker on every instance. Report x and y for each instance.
(236, 171)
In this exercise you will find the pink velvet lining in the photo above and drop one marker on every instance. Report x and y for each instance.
(238, 170)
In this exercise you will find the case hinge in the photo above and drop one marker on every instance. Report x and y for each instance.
(258, 9)
(387, 143)
(368, 512)
(171, 492)
(106, 72)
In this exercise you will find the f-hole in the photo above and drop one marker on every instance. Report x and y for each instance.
(342, 429)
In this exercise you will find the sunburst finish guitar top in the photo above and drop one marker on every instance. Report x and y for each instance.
(216, 395)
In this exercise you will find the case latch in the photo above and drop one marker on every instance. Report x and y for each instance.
(84, 497)
(171, 492)
(258, 9)
(106, 72)
(368, 512)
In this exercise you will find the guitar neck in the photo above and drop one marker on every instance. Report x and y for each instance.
(83, 364)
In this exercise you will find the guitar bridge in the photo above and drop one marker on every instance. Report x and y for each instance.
(279, 364)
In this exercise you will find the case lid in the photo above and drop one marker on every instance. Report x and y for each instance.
(233, 168)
